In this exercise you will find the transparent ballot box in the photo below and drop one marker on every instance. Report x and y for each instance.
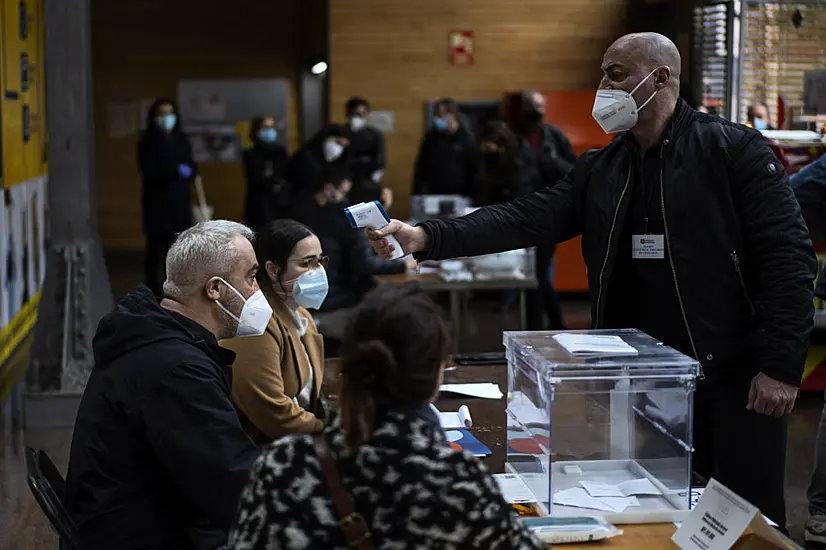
(599, 423)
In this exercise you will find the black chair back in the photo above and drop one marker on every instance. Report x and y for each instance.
(49, 490)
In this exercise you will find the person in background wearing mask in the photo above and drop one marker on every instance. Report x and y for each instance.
(158, 457)
(324, 158)
(167, 168)
(396, 466)
(448, 160)
(500, 179)
(547, 156)
(366, 152)
(757, 117)
(276, 377)
(353, 264)
(265, 168)
(690, 233)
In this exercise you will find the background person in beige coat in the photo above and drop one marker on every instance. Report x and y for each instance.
(276, 377)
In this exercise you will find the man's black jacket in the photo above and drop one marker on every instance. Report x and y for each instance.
(740, 253)
(158, 457)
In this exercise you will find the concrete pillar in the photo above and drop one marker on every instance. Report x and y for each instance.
(76, 292)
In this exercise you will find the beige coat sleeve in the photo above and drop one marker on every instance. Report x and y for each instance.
(258, 389)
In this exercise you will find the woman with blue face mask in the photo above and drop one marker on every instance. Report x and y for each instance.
(276, 377)
(167, 168)
(269, 195)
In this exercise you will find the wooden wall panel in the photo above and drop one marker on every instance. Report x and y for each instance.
(141, 49)
(396, 55)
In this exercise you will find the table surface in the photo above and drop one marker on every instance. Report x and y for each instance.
(489, 426)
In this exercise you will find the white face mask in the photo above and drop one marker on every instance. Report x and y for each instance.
(254, 316)
(616, 110)
(357, 123)
(332, 150)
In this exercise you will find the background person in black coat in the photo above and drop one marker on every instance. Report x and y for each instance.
(547, 156)
(365, 156)
(265, 169)
(167, 168)
(448, 159)
(324, 158)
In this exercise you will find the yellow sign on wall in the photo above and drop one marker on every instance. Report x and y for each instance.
(23, 101)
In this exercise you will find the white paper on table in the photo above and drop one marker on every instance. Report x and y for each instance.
(482, 390)
(454, 420)
(584, 345)
(578, 497)
(633, 487)
(514, 490)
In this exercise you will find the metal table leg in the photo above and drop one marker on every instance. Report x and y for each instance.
(523, 309)
(456, 318)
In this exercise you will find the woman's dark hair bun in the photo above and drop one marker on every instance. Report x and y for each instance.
(365, 358)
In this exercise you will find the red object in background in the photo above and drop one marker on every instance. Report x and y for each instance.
(781, 112)
(460, 47)
(570, 111)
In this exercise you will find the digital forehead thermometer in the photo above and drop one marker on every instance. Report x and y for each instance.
(372, 215)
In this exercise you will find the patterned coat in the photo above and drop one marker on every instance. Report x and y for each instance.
(414, 491)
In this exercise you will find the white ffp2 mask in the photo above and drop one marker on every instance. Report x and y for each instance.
(357, 123)
(332, 150)
(616, 110)
(254, 315)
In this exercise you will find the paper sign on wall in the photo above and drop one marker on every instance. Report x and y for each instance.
(720, 519)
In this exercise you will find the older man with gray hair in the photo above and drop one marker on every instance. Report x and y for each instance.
(159, 457)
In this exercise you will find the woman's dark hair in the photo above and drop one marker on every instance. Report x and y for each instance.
(274, 243)
(392, 354)
(449, 105)
(152, 114)
(499, 133)
(354, 103)
(255, 125)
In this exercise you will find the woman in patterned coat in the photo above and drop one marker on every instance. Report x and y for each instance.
(401, 475)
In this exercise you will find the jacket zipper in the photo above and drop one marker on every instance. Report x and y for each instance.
(608, 251)
(671, 262)
(736, 259)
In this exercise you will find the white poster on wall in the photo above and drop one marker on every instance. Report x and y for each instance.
(17, 271)
(122, 118)
(213, 112)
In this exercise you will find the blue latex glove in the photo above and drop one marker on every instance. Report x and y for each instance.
(184, 170)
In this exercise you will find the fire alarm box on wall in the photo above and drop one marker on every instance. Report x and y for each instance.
(460, 47)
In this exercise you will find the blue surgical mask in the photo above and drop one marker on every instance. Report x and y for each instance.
(267, 135)
(310, 289)
(760, 124)
(440, 124)
(166, 122)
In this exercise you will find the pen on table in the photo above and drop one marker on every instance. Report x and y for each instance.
(450, 368)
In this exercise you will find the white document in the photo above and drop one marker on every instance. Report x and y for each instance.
(454, 420)
(634, 487)
(647, 247)
(587, 345)
(720, 518)
(483, 390)
(514, 490)
(578, 497)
